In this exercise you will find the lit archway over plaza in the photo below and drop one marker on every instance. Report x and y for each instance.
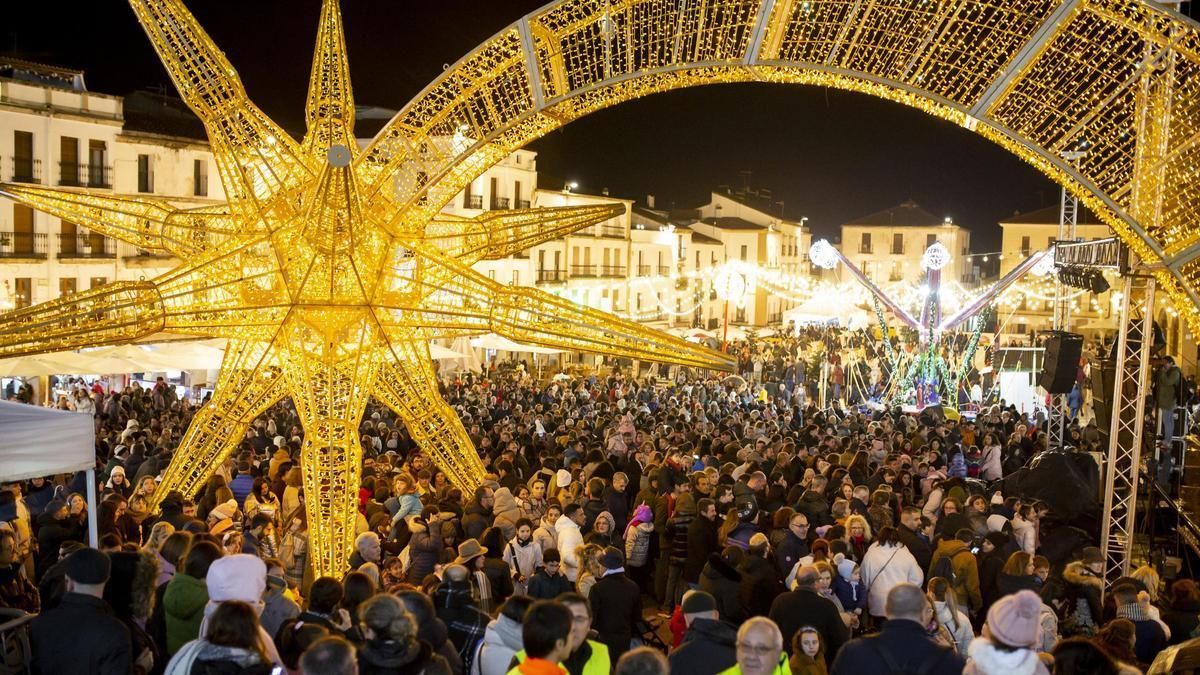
(331, 267)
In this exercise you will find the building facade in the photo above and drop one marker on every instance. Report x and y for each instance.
(887, 245)
(56, 133)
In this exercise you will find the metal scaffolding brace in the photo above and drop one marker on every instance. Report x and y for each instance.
(1056, 416)
(1128, 424)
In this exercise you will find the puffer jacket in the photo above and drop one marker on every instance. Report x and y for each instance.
(677, 534)
(637, 544)
(506, 512)
(1083, 588)
(387, 657)
(183, 605)
(424, 549)
(545, 536)
(963, 634)
(501, 641)
(523, 559)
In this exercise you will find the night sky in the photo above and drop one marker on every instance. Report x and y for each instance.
(829, 155)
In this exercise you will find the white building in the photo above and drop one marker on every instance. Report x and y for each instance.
(54, 132)
(887, 245)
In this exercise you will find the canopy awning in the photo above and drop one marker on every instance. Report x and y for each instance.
(44, 441)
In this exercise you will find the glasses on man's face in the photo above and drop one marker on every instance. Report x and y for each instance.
(800, 526)
(758, 650)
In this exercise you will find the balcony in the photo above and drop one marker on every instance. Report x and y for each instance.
(864, 248)
(522, 203)
(24, 170)
(644, 270)
(681, 283)
(88, 246)
(583, 270)
(664, 270)
(22, 244)
(612, 271)
(611, 232)
(71, 174)
(897, 250)
(473, 202)
(500, 204)
(551, 276)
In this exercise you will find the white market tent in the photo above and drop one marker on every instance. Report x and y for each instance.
(44, 441)
(501, 343)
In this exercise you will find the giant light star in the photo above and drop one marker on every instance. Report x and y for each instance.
(328, 272)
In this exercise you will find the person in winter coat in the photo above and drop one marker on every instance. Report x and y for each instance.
(502, 639)
(55, 526)
(701, 540)
(721, 579)
(813, 503)
(709, 644)
(760, 580)
(794, 545)
(478, 514)
(603, 532)
(81, 636)
(887, 563)
(1182, 616)
(964, 567)
(277, 606)
(549, 582)
(430, 628)
(805, 607)
(570, 538)
(130, 594)
(616, 604)
(1024, 528)
(523, 556)
(455, 607)
(902, 645)
(545, 536)
(425, 546)
(230, 645)
(1083, 584)
(187, 595)
(391, 644)
(1010, 638)
(949, 616)
(676, 539)
(637, 545)
(506, 512)
(405, 500)
(847, 585)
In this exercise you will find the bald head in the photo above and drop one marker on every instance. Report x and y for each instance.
(906, 601)
(456, 573)
(807, 577)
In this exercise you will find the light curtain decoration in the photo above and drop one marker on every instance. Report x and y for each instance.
(328, 272)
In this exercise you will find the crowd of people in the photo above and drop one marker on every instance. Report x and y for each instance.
(627, 523)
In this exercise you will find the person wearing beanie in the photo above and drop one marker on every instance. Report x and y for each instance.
(241, 577)
(82, 635)
(55, 526)
(1010, 638)
(616, 604)
(709, 644)
(848, 586)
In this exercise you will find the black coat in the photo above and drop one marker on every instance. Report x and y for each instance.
(378, 657)
(790, 550)
(708, 647)
(475, 520)
(760, 586)
(723, 582)
(905, 644)
(796, 609)
(677, 536)
(701, 543)
(916, 545)
(51, 535)
(616, 608)
(80, 636)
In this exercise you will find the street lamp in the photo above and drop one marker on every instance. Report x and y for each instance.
(730, 285)
(570, 186)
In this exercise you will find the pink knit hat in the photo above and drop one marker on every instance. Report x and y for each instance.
(1015, 620)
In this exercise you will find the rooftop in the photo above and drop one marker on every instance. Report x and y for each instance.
(41, 73)
(1050, 215)
(155, 113)
(698, 238)
(732, 223)
(908, 214)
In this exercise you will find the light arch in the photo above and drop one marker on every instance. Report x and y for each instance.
(1117, 78)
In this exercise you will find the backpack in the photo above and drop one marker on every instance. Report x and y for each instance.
(944, 568)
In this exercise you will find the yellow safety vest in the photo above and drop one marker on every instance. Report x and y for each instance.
(781, 668)
(598, 663)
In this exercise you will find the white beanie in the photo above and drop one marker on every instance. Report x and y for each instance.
(562, 478)
(237, 577)
(995, 522)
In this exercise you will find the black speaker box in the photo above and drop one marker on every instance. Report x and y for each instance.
(1061, 362)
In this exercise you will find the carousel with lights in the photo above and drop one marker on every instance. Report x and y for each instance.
(929, 374)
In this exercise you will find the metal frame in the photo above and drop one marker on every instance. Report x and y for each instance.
(1127, 427)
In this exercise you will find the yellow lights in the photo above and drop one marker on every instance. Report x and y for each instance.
(329, 269)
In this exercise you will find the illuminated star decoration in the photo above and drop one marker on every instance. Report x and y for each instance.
(326, 293)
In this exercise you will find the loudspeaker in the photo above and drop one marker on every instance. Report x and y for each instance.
(1104, 376)
(1061, 362)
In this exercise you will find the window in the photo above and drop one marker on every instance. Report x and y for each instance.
(98, 173)
(1050, 241)
(23, 239)
(145, 178)
(68, 161)
(745, 252)
(1024, 245)
(97, 282)
(68, 239)
(200, 178)
(897, 243)
(557, 266)
(574, 255)
(24, 292)
(66, 286)
(492, 274)
(930, 240)
(865, 245)
(23, 164)
(516, 281)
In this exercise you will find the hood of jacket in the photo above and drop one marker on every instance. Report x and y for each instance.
(564, 523)
(1078, 573)
(612, 523)
(505, 632)
(506, 503)
(185, 596)
(988, 659)
(950, 547)
(390, 655)
(242, 657)
(712, 630)
(944, 615)
(717, 568)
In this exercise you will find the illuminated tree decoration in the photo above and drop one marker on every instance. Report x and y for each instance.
(328, 272)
